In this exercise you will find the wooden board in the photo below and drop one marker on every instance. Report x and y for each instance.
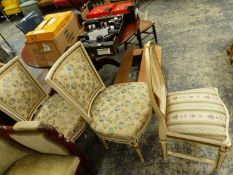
(125, 66)
(122, 75)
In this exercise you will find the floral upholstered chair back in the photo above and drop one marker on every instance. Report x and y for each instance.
(20, 94)
(155, 80)
(75, 78)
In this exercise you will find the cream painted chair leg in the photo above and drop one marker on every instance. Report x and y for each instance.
(103, 142)
(137, 149)
(164, 148)
(221, 157)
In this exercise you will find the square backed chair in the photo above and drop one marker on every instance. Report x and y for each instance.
(22, 98)
(198, 115)
(118, 113)
(31, 147)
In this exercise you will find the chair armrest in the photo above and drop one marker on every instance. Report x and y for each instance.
(45, 139)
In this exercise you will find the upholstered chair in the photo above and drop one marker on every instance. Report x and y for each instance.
(197, 115)
(23, 99)
(31, 147)
(118, 113)
(11, 7)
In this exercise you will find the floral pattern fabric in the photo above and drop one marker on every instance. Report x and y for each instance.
(197, 112)
(77, 79)
(61, 115)
(19, 93)
(121, 111)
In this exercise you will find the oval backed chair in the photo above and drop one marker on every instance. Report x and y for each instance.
(23, 99)
(118, 113)
(198, 115)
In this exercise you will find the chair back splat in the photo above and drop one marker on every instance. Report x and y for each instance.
(75, 78)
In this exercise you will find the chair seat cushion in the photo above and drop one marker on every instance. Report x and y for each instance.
(198, 112)
(10, 7)
(62, 115)
(12, 10)
(122, 111)
(49, 164)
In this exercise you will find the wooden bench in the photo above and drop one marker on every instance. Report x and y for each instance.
(123, 74)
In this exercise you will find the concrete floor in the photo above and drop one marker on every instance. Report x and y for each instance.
(194, 36)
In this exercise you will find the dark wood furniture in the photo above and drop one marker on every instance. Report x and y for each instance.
(129, 30)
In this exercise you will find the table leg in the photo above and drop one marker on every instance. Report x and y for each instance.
(139, 38)
(155, 34)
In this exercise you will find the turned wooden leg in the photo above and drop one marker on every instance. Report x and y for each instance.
(137, 149)
(223, 151)
(164, 148)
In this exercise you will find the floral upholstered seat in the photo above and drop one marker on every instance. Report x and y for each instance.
(22, 98)
(121, 111)
(198, 112)
(118, 113)
(62, 115)
(198, 115)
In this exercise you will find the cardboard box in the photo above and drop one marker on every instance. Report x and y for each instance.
(47, 45)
